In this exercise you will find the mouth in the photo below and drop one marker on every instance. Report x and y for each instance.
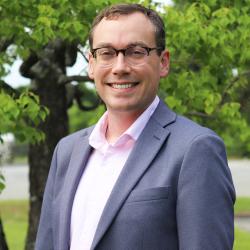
(123, 85)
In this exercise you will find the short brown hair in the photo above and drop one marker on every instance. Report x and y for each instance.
(126, 9)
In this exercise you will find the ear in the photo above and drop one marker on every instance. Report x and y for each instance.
(164, 64)
(91, 66)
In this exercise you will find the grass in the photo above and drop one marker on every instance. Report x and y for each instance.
(242, 240)
(242, 206)
(20, 160)
(14, 216)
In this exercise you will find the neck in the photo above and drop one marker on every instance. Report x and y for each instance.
(118, 123)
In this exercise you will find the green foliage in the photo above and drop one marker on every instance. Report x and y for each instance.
(207, 41)
(29, 26)
(79, 120)
(33, 24)
(21, 117)
(2, 180)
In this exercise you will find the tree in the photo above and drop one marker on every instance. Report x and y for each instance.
(19, 116)
(3, 243)
(209, 78)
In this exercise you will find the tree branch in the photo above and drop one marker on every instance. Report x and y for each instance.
(231, 83)
(200, 114)
(8, 89)
(81, 94)
(67, 79)
(5, 43)
(84, 107)
(84, 56)
(3, 243)
(26, 66)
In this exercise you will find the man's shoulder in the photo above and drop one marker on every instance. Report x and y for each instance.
(181, 128)
(185, 132)
(72, 138)
(67, 144)
(191, 127)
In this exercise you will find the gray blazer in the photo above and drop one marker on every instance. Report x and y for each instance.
(174, 192)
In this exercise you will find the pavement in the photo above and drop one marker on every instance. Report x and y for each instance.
(243, 223)
(17, 184)
(240, 170)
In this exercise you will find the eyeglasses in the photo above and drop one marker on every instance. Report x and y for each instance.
(134, 55)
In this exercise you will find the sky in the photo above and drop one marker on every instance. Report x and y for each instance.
(15, 79)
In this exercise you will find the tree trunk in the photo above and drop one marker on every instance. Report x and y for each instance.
(47, 69)
(53, 96)
(3, 243)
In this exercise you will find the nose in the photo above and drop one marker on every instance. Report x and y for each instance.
(120, 66)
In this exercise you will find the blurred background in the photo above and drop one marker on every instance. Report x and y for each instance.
(45, 93)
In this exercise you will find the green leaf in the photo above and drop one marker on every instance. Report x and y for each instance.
(2, 181)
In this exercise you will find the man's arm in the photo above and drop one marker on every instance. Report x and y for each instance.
(206, 196)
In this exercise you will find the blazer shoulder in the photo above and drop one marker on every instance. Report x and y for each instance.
(64, 150)
(72, 138)
(178, 125)
(66, 145)
(185, 132)
(191, 128)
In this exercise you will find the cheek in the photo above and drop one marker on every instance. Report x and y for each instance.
(152, 75)
(97, 86)
(99, 81)
(99, 74)
(90, 72)
(91, 67)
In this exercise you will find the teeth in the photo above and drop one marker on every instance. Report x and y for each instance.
(122, 86)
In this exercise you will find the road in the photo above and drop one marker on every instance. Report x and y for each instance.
(17, 184)
(16, 181)
(240, 170)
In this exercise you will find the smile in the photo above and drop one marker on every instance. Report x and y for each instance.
(122, 86)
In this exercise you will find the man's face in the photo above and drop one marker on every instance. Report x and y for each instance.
(122, 87)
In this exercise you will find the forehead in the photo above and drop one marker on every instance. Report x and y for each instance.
(124, 30)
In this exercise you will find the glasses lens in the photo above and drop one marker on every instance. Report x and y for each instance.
(136, 55)
(105, 56)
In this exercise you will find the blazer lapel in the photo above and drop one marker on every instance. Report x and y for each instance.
(145, 149)
(78, 160)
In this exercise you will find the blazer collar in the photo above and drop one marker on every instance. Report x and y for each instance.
(148, 144)
(163, 115)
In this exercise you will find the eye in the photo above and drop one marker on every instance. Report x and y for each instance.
(136, 52)
(105, 52)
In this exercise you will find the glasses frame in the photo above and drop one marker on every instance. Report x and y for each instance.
(123, 51)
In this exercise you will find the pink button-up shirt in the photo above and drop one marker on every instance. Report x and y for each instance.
(99, 177)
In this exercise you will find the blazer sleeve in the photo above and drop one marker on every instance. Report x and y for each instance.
(206, 196)
(44, 238)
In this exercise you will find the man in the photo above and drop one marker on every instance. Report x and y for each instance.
(143, 178)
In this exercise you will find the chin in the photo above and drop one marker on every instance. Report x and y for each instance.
(133, 109)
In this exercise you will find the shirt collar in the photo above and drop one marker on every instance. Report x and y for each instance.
(136, 128)
(97, 138)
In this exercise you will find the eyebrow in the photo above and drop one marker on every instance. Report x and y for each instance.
(109, 45)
